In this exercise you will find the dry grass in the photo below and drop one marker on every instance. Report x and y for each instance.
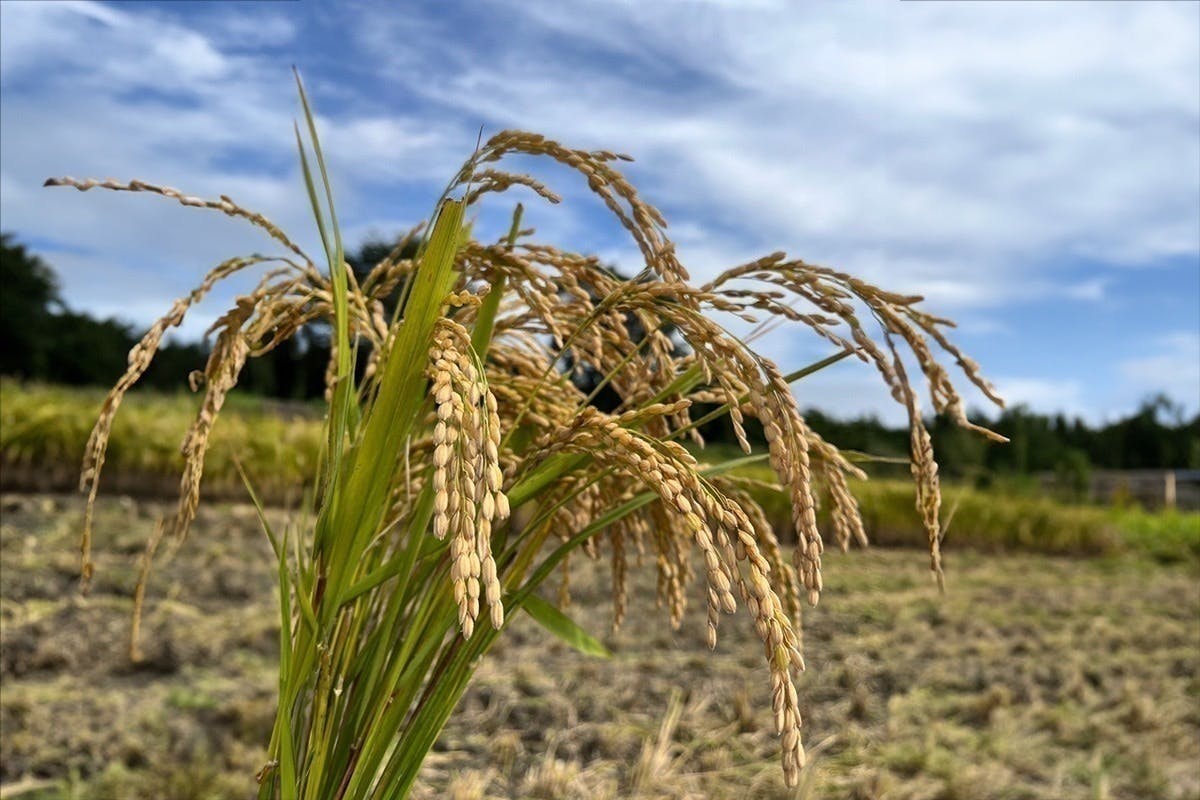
(43, 431)
(1032, 677)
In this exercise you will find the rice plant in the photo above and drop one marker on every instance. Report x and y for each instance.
(462, 465)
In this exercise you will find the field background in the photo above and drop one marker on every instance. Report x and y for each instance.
(1062, 662)
(43, 430)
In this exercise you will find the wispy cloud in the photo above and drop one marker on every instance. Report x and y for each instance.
(1093, 289)
(911, 132)
(975, 153)
(1043, 393)
(98, 90)
(1171, 365)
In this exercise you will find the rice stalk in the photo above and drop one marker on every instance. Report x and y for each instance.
(468, 411)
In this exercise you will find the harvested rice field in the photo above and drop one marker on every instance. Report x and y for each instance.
(1033, 677)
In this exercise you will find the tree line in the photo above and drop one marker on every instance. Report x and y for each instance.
(42, 339)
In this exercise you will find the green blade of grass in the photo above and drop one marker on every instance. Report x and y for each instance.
(364, 488)
(562, 626)
(340, 412)
(288, 784)
(481, 337)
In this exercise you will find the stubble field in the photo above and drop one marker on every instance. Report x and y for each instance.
(1033, 677)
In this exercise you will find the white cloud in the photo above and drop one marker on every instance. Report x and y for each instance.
(1044, 394)
(135, 95)
(1093, 289)
(911, 141)
(968, 152)
(246, 30)
(1171, 367)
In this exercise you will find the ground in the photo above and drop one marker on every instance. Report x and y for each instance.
(1032, 677)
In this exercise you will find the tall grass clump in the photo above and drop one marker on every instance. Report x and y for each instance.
(414, 558)
(44, 430)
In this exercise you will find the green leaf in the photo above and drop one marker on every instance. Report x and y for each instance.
(564, 627)
(288, 779)
(486, 319)
(817, 366)
(340, 411)
(362, 493)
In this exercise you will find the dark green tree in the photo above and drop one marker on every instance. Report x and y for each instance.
(28, 298)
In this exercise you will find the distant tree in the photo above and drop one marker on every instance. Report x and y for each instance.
(1073, 473)
(29, 295)
(86, 351)
(175, 360)
(588, 379)
(375, 250)
(864, 434)
(960, 456)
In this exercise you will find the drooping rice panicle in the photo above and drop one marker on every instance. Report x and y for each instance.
(485, 364)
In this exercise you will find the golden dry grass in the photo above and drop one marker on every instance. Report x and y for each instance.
(1033, 677)
(44, 429)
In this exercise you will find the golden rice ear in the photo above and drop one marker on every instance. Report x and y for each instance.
(139, 591)
(225, 364)
(467, 477)
(138, 362)
(472, 403)
(643, 221)
(225, 204)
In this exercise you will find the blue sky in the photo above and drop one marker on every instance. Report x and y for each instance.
(1033, 169)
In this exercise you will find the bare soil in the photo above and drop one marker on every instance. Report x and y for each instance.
(1033, 677)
